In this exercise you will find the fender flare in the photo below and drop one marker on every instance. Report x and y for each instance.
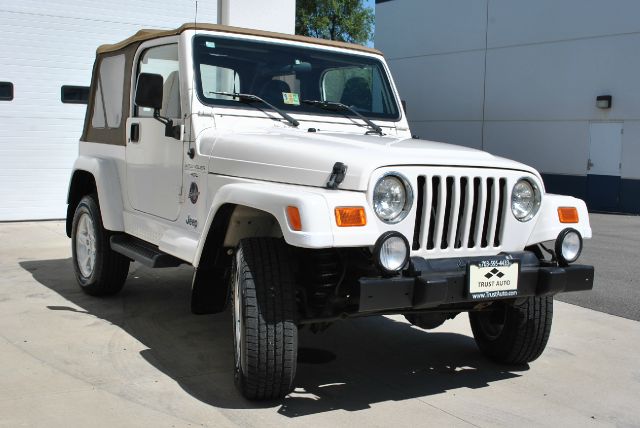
(107, 179)
(274, 199)
(548, 225)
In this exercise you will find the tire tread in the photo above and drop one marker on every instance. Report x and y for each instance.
(525, 334)
(270, 329)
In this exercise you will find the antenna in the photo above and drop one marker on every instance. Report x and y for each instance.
(191, 151)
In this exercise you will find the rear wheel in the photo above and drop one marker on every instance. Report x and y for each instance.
(264, 309)
(99, 270)
(514, 334)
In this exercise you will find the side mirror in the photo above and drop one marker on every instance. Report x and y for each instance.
(149, 91)
(404, 106)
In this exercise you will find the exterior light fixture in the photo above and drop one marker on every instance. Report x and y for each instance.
(391, 252)
(603, 101)
(568, 246)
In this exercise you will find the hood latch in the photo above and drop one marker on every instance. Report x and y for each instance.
(337, 175)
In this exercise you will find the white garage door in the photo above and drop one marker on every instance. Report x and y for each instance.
(47, 44)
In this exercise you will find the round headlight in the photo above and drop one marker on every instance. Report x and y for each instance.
(392, 198)
(525, 200)
(391, 252)
(568, 246)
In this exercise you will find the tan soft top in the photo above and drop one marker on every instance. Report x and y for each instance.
(143, 35)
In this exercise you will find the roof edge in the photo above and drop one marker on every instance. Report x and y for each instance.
(149, 34)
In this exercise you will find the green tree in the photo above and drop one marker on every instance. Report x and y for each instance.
(344, 20)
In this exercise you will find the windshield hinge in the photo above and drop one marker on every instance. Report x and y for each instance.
(337, 175)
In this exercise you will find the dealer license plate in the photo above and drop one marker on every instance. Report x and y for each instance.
(493, 278)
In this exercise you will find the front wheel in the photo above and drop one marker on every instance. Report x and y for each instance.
(99, 270)
(514, 334)
(264, 309)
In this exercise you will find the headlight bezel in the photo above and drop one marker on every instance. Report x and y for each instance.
(537, 199)
(408, 193)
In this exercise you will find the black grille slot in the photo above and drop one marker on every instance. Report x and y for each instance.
(487, 213)
(447, 214)
(461, 212)
(502, 206)
(419, 214)
(474, 211)
(435, 191)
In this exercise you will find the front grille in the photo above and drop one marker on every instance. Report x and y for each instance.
(459, 212)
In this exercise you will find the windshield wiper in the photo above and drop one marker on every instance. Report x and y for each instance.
(332, 105)
(250, 97)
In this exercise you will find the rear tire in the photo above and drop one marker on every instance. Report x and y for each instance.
(99, 270)
(514, 334)
(264, 312)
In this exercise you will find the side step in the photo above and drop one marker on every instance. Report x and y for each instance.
(143, 252)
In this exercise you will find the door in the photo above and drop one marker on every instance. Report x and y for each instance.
(604, 166)
(154, 162)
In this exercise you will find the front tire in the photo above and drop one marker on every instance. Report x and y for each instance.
(99, 270)
(264, 309)
(514, 334)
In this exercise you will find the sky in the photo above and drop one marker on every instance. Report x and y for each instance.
(370, 4)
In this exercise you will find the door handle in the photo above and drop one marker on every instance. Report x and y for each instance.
(134, 134)
(589, 164)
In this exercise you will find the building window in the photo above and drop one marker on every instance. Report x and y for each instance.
(6, 91)
(74, 94)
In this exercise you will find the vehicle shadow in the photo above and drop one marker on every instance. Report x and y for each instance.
(350, 366)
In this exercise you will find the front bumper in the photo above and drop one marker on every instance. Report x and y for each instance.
(430, 284)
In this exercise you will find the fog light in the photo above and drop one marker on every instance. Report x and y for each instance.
(391, 252)
(568, 246)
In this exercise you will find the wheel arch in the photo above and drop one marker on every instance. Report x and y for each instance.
(230, 224)
(233, 222)
(265, 206)
(548, 224)
(82, 183)
(96, 175)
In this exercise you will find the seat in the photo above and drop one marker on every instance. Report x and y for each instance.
(171, 96)
(272, 92)
(357, 93)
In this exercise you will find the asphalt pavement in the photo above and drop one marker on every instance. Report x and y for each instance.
(614, 251)
(141, 359)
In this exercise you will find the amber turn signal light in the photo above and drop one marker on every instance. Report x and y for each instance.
(350, 216)
(293, 214)
(568, 215)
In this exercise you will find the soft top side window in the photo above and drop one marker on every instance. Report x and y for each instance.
(107, 106)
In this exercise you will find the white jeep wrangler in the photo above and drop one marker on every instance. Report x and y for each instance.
(282, 168)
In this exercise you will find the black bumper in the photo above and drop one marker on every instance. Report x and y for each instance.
(430, 284)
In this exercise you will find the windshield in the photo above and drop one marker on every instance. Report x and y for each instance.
(285, 76)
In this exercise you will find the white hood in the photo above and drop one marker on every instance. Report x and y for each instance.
(307, 158)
